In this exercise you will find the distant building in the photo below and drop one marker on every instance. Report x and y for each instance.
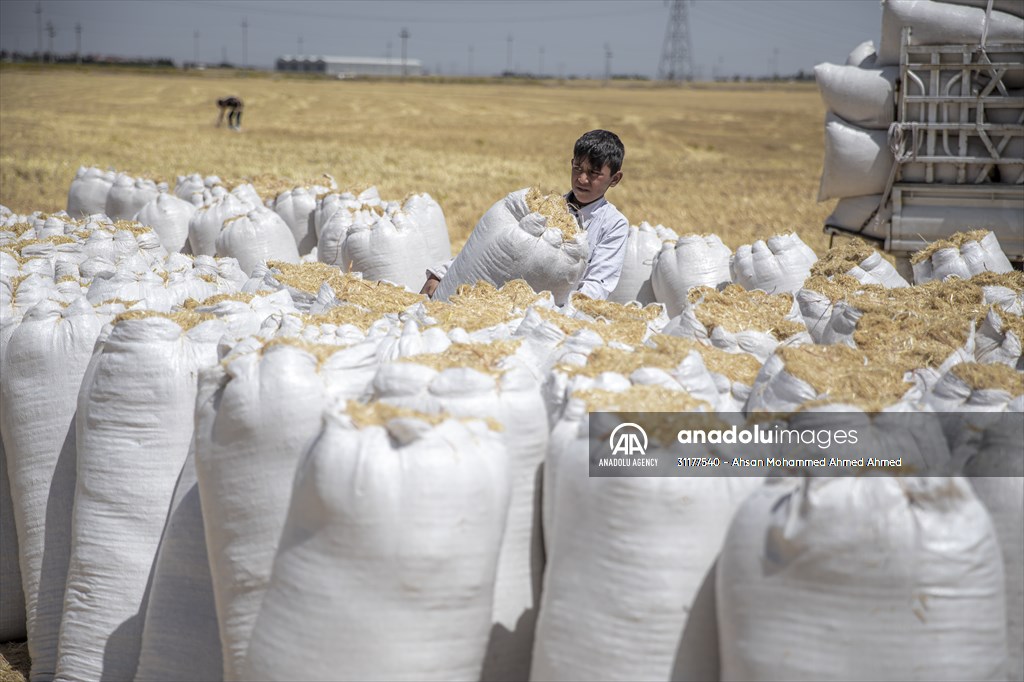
(344, 67)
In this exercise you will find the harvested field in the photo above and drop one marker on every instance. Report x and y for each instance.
(740, 161)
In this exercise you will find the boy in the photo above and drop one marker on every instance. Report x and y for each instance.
(596, 167)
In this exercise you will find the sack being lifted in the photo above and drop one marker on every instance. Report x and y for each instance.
(527, 235)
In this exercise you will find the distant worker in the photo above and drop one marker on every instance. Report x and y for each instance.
(596, 167)
(233, 106)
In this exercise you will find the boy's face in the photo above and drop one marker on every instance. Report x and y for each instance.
(588, 183)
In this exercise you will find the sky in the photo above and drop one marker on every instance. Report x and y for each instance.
(457, 37)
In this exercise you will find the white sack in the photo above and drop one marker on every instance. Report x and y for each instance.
(860, 96)
(248, 194)
(260, 235)
(88, 191)
(256, 414)
(863, 55)
(426, 212)
(778, 265)
(642, 247)
(1014, 7)
(387, 560)
(125, 285)
(952, 394)
(133, 429)
(993, 460)
(691, 261)
(836, 564)
(169, 217)
(510, 242)
(972, 258)
(12, 598)
(295, 206)
(43, 367)
(180, 639)
(205, 225)
(626, 561)
(128, 195)
(877, 270)
(995, 341)
(937, 23)
(387, 248)
(857, 161)
(514, 401)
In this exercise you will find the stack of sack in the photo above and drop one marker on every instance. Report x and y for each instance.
(296, 472)
(860, 99)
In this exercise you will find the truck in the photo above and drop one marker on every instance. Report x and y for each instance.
(958, 145)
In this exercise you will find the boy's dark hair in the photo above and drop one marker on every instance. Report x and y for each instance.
(600, 147)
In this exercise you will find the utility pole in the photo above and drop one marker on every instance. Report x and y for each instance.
(540, 63)
(508, 57)
(607, 63)
(50, 31)
(470, 70)
(195, 48)
(78, 42)
(245, 42)
(676, 58)
(39, 26)
(404, 35)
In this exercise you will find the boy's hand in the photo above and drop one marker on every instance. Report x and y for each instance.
(430, 286)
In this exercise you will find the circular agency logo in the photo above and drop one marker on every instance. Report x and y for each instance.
(628, 439)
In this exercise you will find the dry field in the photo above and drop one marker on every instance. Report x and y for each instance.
(737, 160)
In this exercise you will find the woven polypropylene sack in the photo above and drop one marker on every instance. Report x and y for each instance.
(691, 261)
(255, 416)
(387, 560)
(808, 558)
(169, 217)
(205, 225)
(642, 246)
(513, 400)
(778, 265)
(857, 160)
(43, 368)
(180, 639)
(88, 192)
(861, 96)
(128, 195)
(259, 236)
(12, 598)
(938, 23)
(511, 242)
(642, 534)
(133, 429)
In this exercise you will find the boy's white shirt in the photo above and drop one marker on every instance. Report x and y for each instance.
(607, 232)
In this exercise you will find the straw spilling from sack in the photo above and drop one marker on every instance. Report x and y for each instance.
(735, 309)
(955, 241)
(553, 207)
